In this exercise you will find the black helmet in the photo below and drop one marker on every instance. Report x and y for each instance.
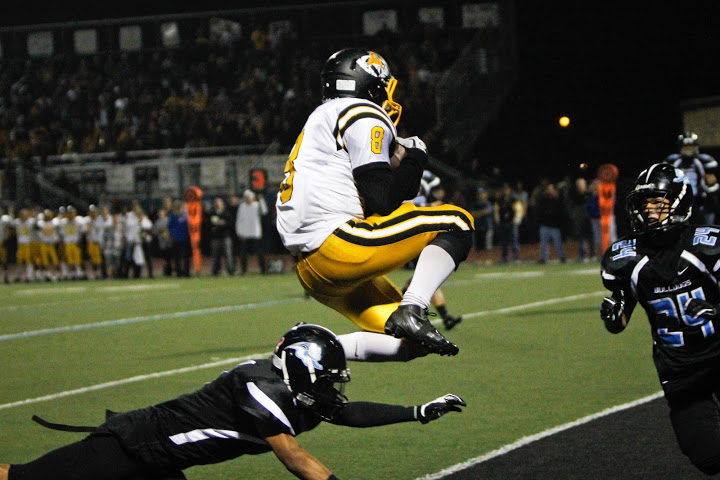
(311, 361)
(359, 73)
(688, 144)
(661, 180)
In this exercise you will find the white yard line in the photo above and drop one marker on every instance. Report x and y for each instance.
(147, 318)
(538, 436)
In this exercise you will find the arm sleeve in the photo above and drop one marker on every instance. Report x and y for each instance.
(370, 414)
(383, 189)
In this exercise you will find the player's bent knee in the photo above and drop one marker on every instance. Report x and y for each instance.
(456, 242)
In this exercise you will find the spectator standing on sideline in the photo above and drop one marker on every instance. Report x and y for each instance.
(232, 206)
(483, 212)
(505, 220)
(550, 216)
(593, 215)
(248, 227)
(577, 198)
(146, 241)
(221, 237)
(133, 256)
(163, 240)
(700, 170)
(180, 235)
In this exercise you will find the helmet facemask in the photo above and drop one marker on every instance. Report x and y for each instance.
(393, 108)
(653, 211)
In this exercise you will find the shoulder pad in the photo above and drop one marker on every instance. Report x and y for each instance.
(619, 260)
(703, 240)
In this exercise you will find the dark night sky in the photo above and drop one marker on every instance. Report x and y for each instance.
(619, 69)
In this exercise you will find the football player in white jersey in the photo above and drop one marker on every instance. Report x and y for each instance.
(95, 225)
(24, 225)
(72, 228)
(340, 211)
(48, 227)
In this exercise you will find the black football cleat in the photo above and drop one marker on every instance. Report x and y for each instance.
(450, 322)
(411, 322)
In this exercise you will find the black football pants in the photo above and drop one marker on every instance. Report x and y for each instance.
(696, 421)
(97, 457)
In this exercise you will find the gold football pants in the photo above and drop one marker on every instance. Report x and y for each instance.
(48, 252)
(347, 273)
(73, 254)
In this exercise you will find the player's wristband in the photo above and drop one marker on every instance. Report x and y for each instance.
(332, 477)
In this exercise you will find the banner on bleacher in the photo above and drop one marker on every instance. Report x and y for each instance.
(212, 172)
(120, 178)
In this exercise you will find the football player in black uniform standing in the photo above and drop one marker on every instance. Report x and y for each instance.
(700, 169)
(257, 407)
(671, 268)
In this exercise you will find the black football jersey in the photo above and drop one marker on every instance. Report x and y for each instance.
(227, 418)
(662, 281)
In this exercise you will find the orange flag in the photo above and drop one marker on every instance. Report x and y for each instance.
(193, 197)
(607, 174)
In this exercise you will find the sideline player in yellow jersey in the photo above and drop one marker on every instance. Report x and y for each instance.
(72, 228)
(24, 225)
(48, 227)
(340, 211)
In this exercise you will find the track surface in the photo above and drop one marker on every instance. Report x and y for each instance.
(637, 443)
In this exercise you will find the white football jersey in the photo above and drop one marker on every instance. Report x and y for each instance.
(72, 229)
(318, 193)
(24, 229)
(49, 231)
(95, 229)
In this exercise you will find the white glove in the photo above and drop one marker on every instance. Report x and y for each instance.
(438, 407)
(412, 142)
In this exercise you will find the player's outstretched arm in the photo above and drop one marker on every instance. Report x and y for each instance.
(4, 468)
(298, 460)
(371, 414)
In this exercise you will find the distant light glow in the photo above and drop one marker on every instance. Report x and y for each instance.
(564, 121)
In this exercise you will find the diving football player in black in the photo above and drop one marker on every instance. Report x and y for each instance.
(257, 407)
(671, 268)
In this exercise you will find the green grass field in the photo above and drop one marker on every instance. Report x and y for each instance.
(533, 355)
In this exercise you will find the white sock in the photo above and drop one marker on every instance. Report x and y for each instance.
(434, 266)
(378, 347)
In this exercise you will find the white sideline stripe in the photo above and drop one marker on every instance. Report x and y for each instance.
(148, 318)
(538, 436)
(138, 378)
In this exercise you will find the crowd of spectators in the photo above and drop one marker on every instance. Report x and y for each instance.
(217, 91)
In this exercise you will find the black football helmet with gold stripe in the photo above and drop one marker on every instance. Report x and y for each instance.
(359, 73)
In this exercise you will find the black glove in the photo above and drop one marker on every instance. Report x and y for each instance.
(438, 407)
(700, 308)
(611, 311)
